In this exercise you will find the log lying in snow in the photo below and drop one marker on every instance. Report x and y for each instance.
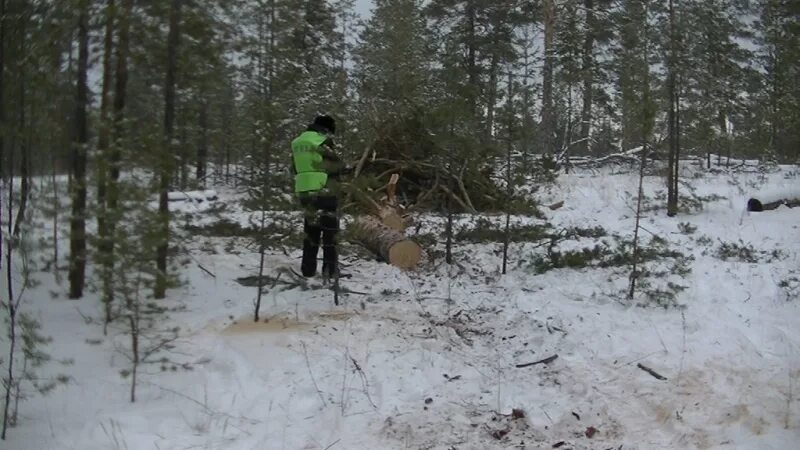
(388, 243)
(757, 205)
(392, 219)
(192, 196)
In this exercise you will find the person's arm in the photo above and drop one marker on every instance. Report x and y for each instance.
(334, 164)
(328, 151)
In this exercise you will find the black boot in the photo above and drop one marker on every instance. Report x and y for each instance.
(310, 249)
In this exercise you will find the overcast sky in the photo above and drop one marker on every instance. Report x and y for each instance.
(363, 7)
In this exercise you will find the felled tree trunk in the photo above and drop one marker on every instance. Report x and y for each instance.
(390, 244)
(757, 205)
(392, 219)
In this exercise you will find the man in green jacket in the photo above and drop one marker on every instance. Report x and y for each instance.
(316, 168)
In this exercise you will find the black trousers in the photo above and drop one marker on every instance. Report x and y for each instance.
(320, 225)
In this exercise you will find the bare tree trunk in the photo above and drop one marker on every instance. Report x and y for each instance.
(723, 129)
(102, 169)
(173, 39)
(24, 163)
(672, 194)
(588, 79)
(676, 174)
(2, 97)
(262, 254)
(2, 112)
(526, 114)
(472, 67)
(509, 175)
(202, 149)
(133, 320)
(449, 234)
(492, 97)
(647, 116)
(112, 213)
(56, 210)
(567, 146)
(12, 331)
(226, 134)
(77, 266)
(634, 276)
(548, 113)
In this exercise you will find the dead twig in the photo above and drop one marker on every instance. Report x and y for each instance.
(455, 197)
(364, 382)
(206, 270)
(545, 361)
(460, 181)
(652, 372)
(313, 380)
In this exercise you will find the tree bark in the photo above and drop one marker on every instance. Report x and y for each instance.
(105, 244)
(2, 97)
(509, 175)
(492, 103)
(202, 149)
(472, 66)
(548, 114)
(114, 160)
(391, 245)
(24, 149)
(588, 78)
(756, 205)
(647, 115)
(173, 40)
(77, 271)
(12, 332)
(672, 194)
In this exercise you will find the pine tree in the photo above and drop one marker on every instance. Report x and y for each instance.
(103, 257)
(595, 34)
(392, 71)
(548, 124)
(673, 98)
(79, 162)
(173, 41)
(779, 36)
(631, 22)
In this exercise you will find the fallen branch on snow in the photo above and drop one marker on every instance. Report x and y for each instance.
(652, 372)
(547, 360)
(292, 281)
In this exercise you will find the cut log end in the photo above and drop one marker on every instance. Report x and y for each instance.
(405, 254)
(387, 243)
(756, 205)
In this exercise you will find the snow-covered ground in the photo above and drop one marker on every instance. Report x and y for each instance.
(428, 359)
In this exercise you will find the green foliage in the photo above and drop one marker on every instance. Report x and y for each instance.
(704, 240)
(790, 285)
(739, 251)
(222, 228)
(485, 231)
(657, 248)
(664, 297)
(573, 259)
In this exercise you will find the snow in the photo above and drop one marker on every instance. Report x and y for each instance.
(194, 196)
(428, 359)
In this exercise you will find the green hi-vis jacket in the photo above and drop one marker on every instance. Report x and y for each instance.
(310, 175)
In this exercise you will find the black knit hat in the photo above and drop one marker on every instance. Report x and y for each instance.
(326, 122)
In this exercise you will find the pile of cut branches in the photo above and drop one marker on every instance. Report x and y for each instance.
(434, 177)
